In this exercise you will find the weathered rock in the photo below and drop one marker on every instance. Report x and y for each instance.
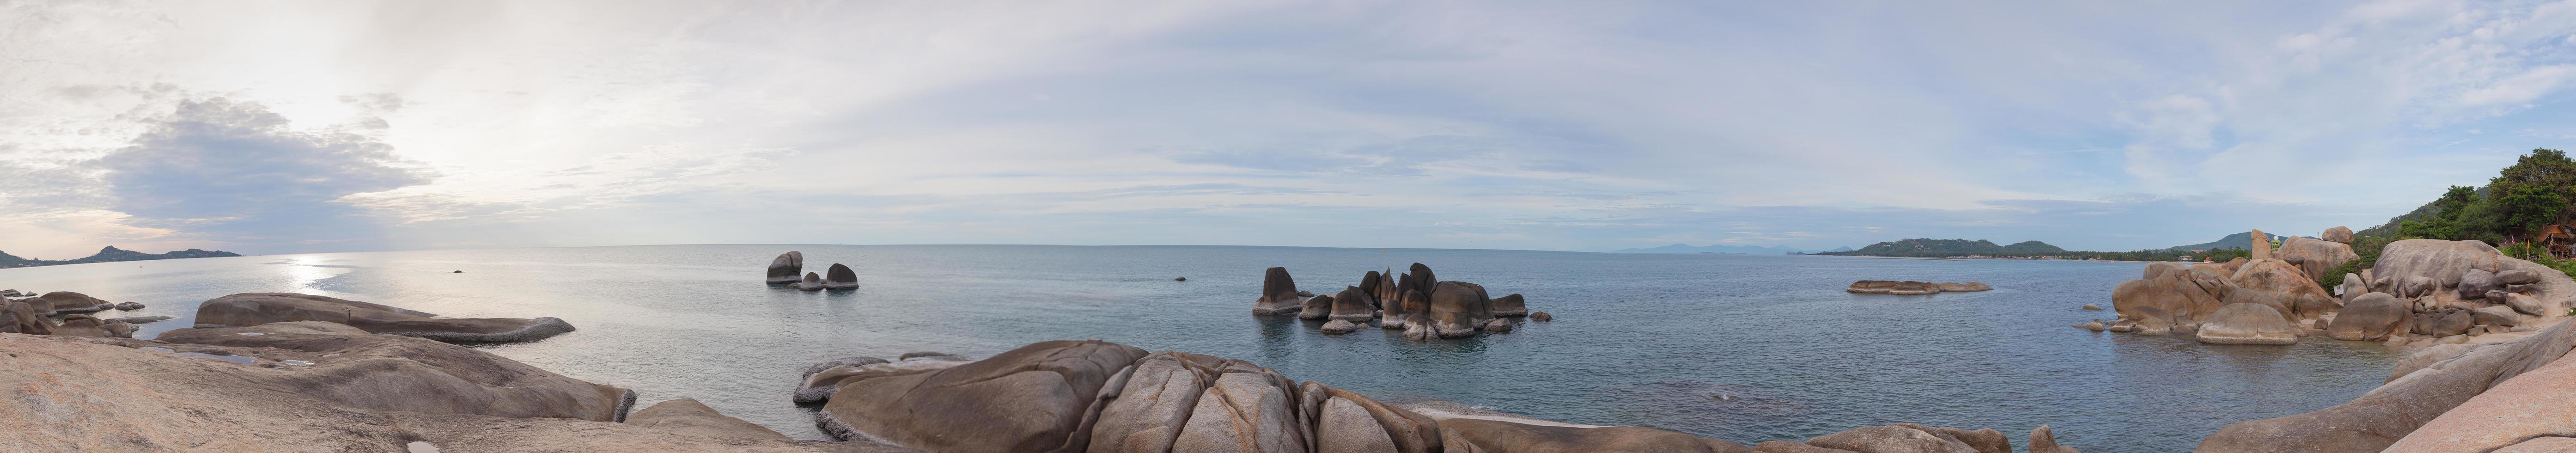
(2453, 323)
(1042, 397)
(1892, 439)
(2315, 258)
(2186, 294)
(686, 415)
(2525, 304)
(2370, 317)
(1386, 290)
(812, 282)
(2151, 322)
(1150, 409)
(2474, 284)
(2044, 441)
(2092, 307)
(71, 302)
(1318, 307)
(21, 317)
(1353, 305)
(786, 267)
(2247, 324)
(2379, 418)
(1870, 287)
(840, 277)
(80, 325)
(2414, 286)
(1914, 288)
(2338, 235)
(1510, 306)
(2159, 268)
(1483, 435)
(385, 372)
(2096, 326)
(1499, 325)
(2451, 260)
(1247, 409)
(820, 385)
(1344, 426)
(1541, 316)
(142, 319)
(2297, 294)
(1278, 294)
(2496, 315)
(129, 306)
(1458, 309)
(2353, 286)
(2262, 246)
(2518, 276)
(251, 309)
(1340, 326)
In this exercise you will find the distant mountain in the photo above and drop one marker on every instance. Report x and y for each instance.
(1840, 249)
(1925, 247)
(2238, 241)
(110, 254)
(1743, 249)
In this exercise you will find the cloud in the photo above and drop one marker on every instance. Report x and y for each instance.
(234, 172)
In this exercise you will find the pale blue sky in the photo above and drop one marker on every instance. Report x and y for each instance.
(329, 126)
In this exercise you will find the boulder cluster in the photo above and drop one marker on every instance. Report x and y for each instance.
(2269, 299)
(2517, 395)
(1913, 288)
(784, 269)
(38, 315)
(2436, 291)
(1418, 302)
(1101, 397)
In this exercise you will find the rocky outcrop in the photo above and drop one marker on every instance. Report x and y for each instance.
(1044, 397)
(1871, 287)
(1902, 438)
(688, 416)
(2247, 324)
(2338, 234)
(1912, 288)
(840, 277)
(2444, 265)
(60, 302)
(2432, 392)
(1459, 309)
(251, 309)
(21, 317)
(2315, 258)
(1415, 303)
(2281, 284)
(1278, 294)
(2370, 317)
(786, 268)
(384, 372)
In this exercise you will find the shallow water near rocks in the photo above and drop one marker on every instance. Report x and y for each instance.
(1739, 347)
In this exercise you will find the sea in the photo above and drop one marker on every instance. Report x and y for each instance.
(1738, 347)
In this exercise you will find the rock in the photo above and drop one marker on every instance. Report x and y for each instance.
(1782, 446)
(1344, 426)
(1486, 435)
(1510, 305)
(80, 325)
(2414, 286)
(70, 302)
(1278, 294)
(1340, 326)
(1892, 439)
(2379, 418)
(2453, 323)
(2096, 326)
(2262, 246)
(21, 317)
(2496, 315)
(141, 319)
(820, 385)
(1352, 305)
(2159, 268)
(1984, 440)
(785, 267)
(1040, 397)
(251, 309)
(2353, 285)
(2297, 293)
(1914, 288)
(840, 277)
(2092, 307)
(2474, 284)
(689, 416)
(386, 372)
(1151, 407)
(2337, 234)
(2186, 294)
(1499, 325)
(128, 306)
(2247, 324)
(1870, 287)
(1246, 409)
(2451, 260)
(2525, 304)
(1318, 307)
(2370, 317)
(2152, 324)
(2394, 340)
(1180, 279)
(13, 293)
(2518, 276)
(2044, 441)
(117, 329)
(2315, 258)
(812, 282)
(1305, 294)
(1458, 309)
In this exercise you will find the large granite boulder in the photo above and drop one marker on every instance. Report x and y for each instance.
(840, 277)
(1386, 290)
(1417, 316)
(1500, 436)
(251, 309)
(687, 415)
(1149, 409)
(387, 372)
(1353, 305)
(824, 379)
(2353, 286)
(1318, 307)
(1278, 294)
(60, 302)
(2186, 294)
(2537, 403)
(787, 267)
(2439, 261)
(2475, 283)
(2338, 234)
(2495, 315)
(1459, 309)
(2379, 418)
(80, 325)
(2315, 258)
(2247, 324)
(2527, 305)
(2044, 441)
(2159, 268)
(2261, 248)
(1246, 408)
(2296, 291)
(2453, 322)
(1340, 326)
(1043, 397)
(2370, 317)
(1510, 306)
(21, 317)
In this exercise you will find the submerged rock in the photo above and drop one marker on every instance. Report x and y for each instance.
(251, 309)
(1340, 326)
(840, 277)
(1541, 316)
(786, 267)
(1278, 294)
(2092, 307)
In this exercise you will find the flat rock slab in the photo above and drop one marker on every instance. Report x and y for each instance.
(251, 309)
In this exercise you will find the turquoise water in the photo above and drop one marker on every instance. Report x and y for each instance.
(1739, 347)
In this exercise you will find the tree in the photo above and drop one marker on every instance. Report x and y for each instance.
(2530, 194)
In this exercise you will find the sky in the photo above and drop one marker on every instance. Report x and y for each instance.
(289, 127)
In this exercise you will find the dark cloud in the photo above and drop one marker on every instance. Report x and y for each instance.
(233, 172)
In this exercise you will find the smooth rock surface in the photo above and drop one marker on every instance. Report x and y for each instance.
(251, 309)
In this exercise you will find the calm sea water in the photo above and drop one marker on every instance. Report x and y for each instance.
(1650, 340)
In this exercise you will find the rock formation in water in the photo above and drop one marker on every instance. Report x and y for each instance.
(1510, 306)
(1912, 288)
(1353, 305)
(811, 282)
(1099, 397)
(786, 268)
(840, 277)
(1318, 307)
(251, 309)
(1459, 309)
(1412, 302)
(1278, 294)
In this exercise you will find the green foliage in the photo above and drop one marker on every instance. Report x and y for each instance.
(2536, 191)
(2527, 252)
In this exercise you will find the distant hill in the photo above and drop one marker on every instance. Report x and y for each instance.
(111, 254)
(1926, 247)
(1743, 249)
(2238, 241)
(1840, 249)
